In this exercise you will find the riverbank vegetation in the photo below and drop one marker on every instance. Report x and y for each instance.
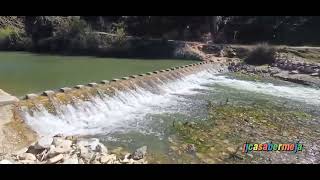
(103, 34)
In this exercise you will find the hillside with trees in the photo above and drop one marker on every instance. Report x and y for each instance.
(74, 33)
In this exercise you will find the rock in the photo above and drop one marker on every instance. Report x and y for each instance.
(21, 151)
(314, 74)
(294, 66)
(231, 150)
(294, 72)
(81, 161)
(57, 141)
(107, 159)
(273, 70)
(55, 159)
(101, 148)
(27, 156)
(191, 148)
(85, 154)
(308, 70)
(61, 145)
(71, 160)
(27, 162)
(94, 145)
(43, 143)
(5, 162)
(140, 153)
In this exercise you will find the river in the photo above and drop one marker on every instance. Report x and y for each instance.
(141, 117)
(22, 72)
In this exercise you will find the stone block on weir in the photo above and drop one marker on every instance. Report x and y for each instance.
(48, 93)
(65, 89)
(133, 76)
(79, 86)
(31, 96)
(104, 82)
(92, 84)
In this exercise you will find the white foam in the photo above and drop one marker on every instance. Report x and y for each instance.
(298, 93)
(105, 114)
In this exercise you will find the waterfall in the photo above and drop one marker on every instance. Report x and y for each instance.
(127, 107)
(104, 113)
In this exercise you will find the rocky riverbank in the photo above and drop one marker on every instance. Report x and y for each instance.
(72, 150)
(293, 71)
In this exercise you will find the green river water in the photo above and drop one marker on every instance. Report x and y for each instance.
(22, 73)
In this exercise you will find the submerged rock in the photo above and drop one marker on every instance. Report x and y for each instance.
(140, 153)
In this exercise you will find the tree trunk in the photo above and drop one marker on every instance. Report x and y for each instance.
(213, 27)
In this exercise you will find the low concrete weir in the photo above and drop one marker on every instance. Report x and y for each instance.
(55, 103)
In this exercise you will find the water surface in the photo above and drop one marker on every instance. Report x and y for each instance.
(22, 72)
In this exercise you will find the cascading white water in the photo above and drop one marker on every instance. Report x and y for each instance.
(103, 114)
(127, 109)
(299, 93)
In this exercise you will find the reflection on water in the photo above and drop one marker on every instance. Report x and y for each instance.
(22, 73)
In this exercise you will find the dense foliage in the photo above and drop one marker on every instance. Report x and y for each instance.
(55, 33)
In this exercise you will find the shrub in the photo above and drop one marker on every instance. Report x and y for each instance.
(262, 54)
(12, 38)
(120, 32)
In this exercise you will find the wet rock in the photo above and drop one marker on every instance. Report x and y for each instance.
(62, 147)
(108, 158)
(140, 153)
(70, 160)
(43, 143)
(86, 154)
(55, 159)
(93, 144)
(314, 74)
(27, 156)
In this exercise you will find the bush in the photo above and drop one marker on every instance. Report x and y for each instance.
(262, 54)
(120, 32)
(12, 38)
(7, 36)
